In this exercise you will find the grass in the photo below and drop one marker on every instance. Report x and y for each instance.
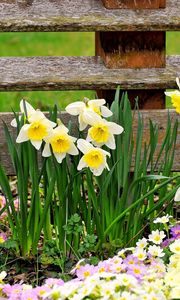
(54, 44)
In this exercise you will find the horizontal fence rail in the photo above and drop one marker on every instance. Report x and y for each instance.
(84, 15)
(158, 117)
(73, 73)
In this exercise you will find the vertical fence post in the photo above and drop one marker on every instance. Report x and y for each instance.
(134, 49)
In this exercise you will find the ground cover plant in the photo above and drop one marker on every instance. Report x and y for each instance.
(150, 270)
(77, 197)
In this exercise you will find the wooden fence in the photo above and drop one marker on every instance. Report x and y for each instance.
(130, 52)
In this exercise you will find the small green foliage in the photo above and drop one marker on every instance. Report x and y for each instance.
(88, 243)
(74, 225)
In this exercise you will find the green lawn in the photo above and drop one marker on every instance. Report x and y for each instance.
(55, 44)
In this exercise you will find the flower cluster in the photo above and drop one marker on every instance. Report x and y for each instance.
(38, 129)
(135, 273)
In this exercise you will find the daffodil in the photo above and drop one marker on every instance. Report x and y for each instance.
(93, 158)
(175, 97)
(177, 195)
(26, 109)
(88, 111)
(102, 133)
(35, 132)
(61, 143)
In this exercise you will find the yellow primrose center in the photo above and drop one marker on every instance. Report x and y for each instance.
(2, 240)
(94, 158)
(60, 143)
(37, 131)
(157, 238)
(177, 248)
(86, 274)
(99, 133)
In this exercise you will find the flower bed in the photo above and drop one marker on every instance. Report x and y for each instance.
(150, 270)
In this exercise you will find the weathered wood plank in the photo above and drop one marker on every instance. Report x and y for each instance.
(73, 73)
(84, 15)
(158, 116)
(137, 4)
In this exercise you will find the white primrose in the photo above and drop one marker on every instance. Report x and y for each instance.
(93, 158)
(175, 247)
(102, 133)
(157, 236)
(162, 220)
(35, 132)
(156, 251)
(88, 111)
(61, 144)
(142, 243)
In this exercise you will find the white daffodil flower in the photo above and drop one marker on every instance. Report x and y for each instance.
(102, 133)
(38, 129)
(93, 158)
(177, 195)
(61, 144)
(25, 108)
(175, 97)
(88, 111)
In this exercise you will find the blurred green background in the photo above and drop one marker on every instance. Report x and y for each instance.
(55, 44)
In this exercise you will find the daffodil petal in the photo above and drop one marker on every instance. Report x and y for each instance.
(98, 171)
(62, 128)
(59, 156)
(22, 136)
(14, 123)
(106, 112)
(82, 164)
(115, 128)
(82, 124)
(106, 153)
(96, 102)
(46, 151)
(75, 108)
(178, 82)
(36, 144)
(111, 142)
(170, 94)
(84, 146)
(90, 117)
(177, 195)
(73, 150)
(36, 115)
(30, 110)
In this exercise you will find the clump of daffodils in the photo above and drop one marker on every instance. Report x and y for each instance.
(56, 140)
(140, 272)
(175, 97)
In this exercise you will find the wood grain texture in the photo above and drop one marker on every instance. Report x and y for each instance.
(134, 4)
(147, 99)
(158, 116)
(74, 73)
(84, 15)
(131, 49)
